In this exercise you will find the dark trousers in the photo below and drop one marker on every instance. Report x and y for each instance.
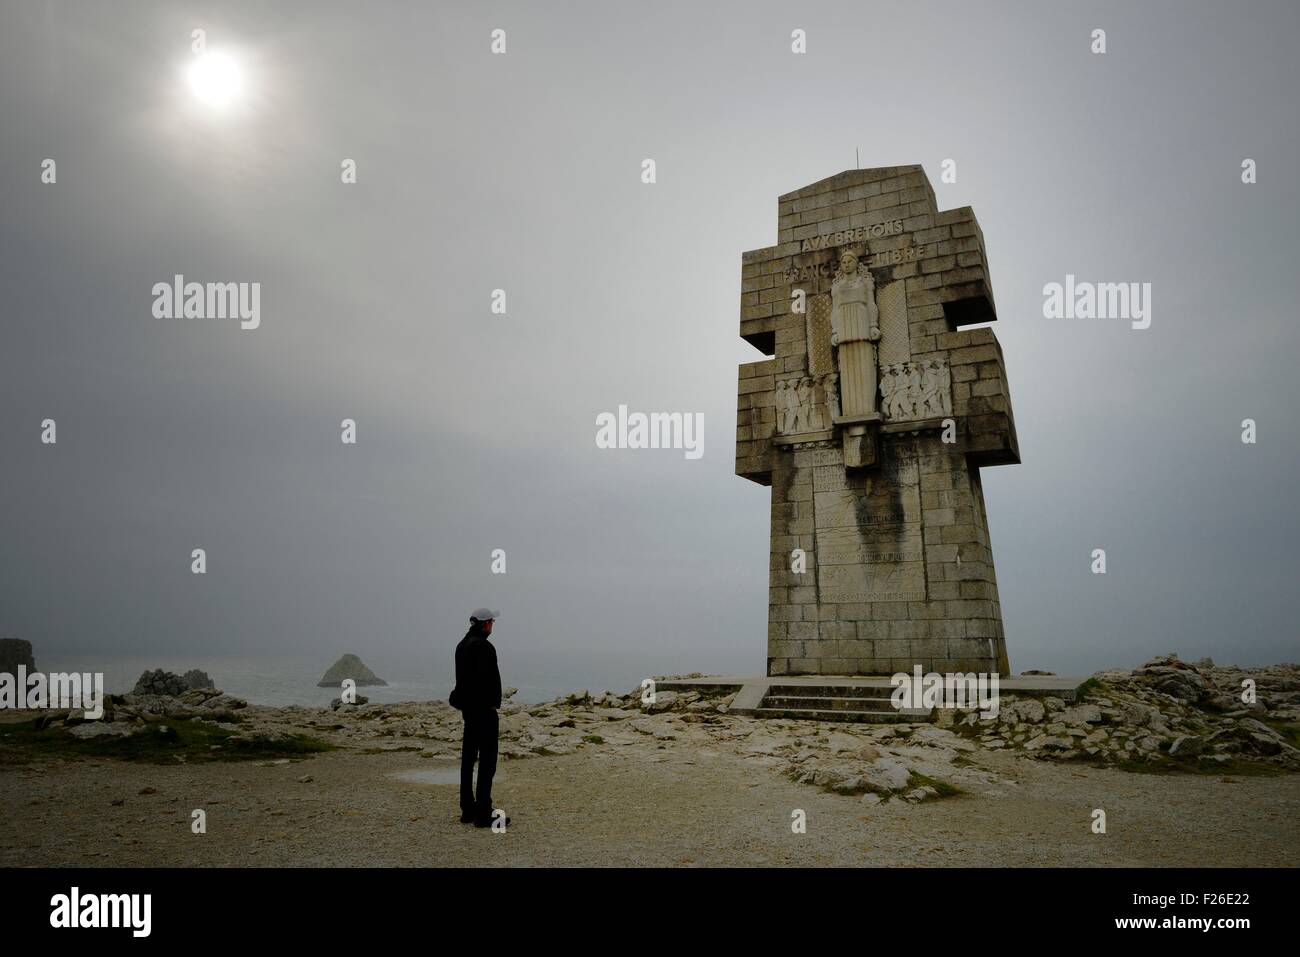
(480, 743)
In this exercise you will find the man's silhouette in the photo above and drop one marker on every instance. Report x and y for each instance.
(478, 695)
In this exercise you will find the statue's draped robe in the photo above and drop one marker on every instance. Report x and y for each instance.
(853, 316)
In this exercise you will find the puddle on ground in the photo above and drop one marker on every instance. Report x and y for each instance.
(444, 775)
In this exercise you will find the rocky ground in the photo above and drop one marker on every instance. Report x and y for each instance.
(1186, 771)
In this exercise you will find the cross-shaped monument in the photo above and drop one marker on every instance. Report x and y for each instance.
(870, 424)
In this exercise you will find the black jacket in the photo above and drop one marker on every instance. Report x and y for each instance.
(478, 680)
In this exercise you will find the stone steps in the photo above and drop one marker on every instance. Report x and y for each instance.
(835, 703)
(831, 691)
(832, 714)
(804, 701)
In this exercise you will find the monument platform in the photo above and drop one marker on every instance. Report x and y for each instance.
(844, 697)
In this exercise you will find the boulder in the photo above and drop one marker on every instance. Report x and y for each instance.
(1260, 727)
(100, 729)
(1265, 743)
(1184, 685)
(886, 775)
(50, 719)
(850, 785)
(224, 702)
(1170, 660)
(1081, 714)
(664, 701)
(1175, 678)
(349, 666)
(1028, 710)
(339, 702)
(929, 734)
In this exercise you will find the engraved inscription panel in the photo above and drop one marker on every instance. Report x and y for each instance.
(899, 542)
(887, 581)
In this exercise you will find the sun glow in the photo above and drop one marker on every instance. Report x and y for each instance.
(215, 79)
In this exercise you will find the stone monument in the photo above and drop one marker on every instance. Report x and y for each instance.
(870, 423)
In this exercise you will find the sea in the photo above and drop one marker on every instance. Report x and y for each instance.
(280, 681)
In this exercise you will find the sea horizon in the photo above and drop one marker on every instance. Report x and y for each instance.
(283, 680)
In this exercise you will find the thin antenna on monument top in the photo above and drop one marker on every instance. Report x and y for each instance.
(857, 160)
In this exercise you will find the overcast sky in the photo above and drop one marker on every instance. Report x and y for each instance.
(522, 172)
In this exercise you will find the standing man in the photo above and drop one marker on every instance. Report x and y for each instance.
(478, 695)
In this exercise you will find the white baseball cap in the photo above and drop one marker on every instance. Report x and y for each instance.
(485, 614)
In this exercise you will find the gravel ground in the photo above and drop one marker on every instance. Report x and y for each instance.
(675, 805)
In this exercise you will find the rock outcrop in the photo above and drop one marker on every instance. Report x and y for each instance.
(195, 678)
(15, 652)
(1165, 713)
(349, 666)
(168, 683)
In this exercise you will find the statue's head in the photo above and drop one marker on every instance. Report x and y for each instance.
(848, 263)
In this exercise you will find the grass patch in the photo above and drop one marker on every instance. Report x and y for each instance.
(593, 739)
(1289, 730)
(1191, 765)
(943, 787)
(188, 741)
(1089, 687)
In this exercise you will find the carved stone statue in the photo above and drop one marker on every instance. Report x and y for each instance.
(782, 415)
(855, 330)
(806, 405)
(929, 389)
(912, 392)
(792, 410)
(832, 397)
(889, 392)
(930, 385)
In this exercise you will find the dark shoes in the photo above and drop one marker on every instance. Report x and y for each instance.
(488, 821)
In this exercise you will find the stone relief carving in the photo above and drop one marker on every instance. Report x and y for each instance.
(806, 403)
(831, 387)
(864, 380)
(916, 390)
